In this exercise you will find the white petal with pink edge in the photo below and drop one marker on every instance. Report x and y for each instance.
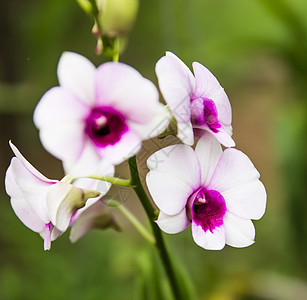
(124, 89)
(239, 232)
(77, 74)
(179, 161)
(247, 200)
(233, 169)
(26, 214)
(176, 83)
(21, 207)
(207, 86)
(27, 165)
(169, 193)
(59, 106)
(173, 224)
(208, 151)
(32, 189)
(214, 240)
(60, 118)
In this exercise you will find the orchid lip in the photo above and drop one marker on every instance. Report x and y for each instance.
(204, 114)
(206, 208)
(105, 126)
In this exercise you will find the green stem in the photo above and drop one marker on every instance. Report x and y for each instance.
(149, 209)
(113, 180)
(137, 225)
(106, 45)
(116, 50)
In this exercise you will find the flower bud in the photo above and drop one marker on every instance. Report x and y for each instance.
(116, 17)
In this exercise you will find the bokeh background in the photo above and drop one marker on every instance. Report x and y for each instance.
(258, 51)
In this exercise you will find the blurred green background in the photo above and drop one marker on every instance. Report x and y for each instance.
(258, 51)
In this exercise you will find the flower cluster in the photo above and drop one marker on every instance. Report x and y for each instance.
(98, 117)
(218, 192)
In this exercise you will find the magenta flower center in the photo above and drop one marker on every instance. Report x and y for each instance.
(105, 126)
(208, 209)
(204, 112)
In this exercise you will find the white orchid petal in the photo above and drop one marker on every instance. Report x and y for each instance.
(224, 137)
(70, 138)
(176, 83)
(27, 187)
(88, 160)
(233, 169)
(20, 205)
(126, 90)
(239, 232)
(214, 240)
(247, 200)
(179, 161)
(208, 151)
(32, 188)
(173, 224)
(27, 165)
(26, 214)
(228, 129)
(169, 193)
(77, 74)
(59, 106)
(60, 117)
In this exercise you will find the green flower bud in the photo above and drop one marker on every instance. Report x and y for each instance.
(116, 17)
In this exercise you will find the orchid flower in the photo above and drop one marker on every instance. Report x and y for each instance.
(199, 104)
(96, 114)
(45, 206)
(218, 192)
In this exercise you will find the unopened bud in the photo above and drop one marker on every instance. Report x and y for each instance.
(116, 17)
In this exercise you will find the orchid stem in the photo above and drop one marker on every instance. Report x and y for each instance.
(116, 50)
(110, 179)
(137, 225)
(150, 211)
